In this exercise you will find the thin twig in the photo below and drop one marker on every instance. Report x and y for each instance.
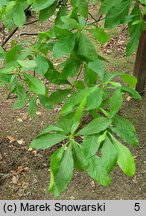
(8, 38)
(80, 71)
(100, 18)
(29, 23)
(30, 34)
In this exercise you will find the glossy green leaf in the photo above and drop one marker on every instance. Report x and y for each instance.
(69, 23)
(35, 85)
(125, 158)
(19, 15)
(42, 65)
(64, 46)
(50, 128)
(65, 172)
(94, 99)
(109, 155)
(96, 126)
(131, 91)
(56, 158)
(82, 6)
(57, 97)
(90, 145)
(125, 130)
(46, 140)
(78, 156)
(86, 50)
(71, 68)
(96, 171)
(116, 15)
(99, 34)
(106, 6)
(39, 5)
(32, 107)
(98, 67)
(115, 102)
(27, 64)
(131, 80)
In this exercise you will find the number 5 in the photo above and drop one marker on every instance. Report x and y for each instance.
(137, 207)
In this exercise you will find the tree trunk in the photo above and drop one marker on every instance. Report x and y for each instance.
(140, 64)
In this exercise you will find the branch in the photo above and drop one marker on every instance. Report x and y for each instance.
(100, 18)
(8, 38)
(34, 21)
(78, 75)
(31, 34)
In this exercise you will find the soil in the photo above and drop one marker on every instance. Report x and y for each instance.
(24, 173)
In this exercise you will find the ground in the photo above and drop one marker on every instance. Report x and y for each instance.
(24, 173)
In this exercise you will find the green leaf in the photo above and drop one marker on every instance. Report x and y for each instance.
(40, 5)
(99, 34)
(125, 130)
(98, 67)
(95, 126)
(86, 50)
(116, 15)
(90, 77)
(90, 145)
(46, 140)
(131, 80)
(96, 171)
(13, 55)
(94, 99)
(57, 97)
(131, 91)
(61, 13)
(56, 158)
(125, 158)
(20, 103)
(18, 15)
(64, 46)
(80, 110)
(106, 6)
(67, 122)
(69, 23)
(42, 65)
(27, 64)
(115, 102)
(32, 107)
(50, 128)
(64, 173)
(134, 40)
(82, 6)
(47, 12)
(71, 68)
(73, 101)
(135, 30)
(109, 155)
(22, 97)
(35, 85)
(2, 53)
(78, 156)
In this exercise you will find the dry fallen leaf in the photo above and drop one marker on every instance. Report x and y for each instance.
(38, 113)
(128, 98)
(30, 149)
(15, 179)
(19, 120)
(20, 142)
(34, 152)
(11, 139)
